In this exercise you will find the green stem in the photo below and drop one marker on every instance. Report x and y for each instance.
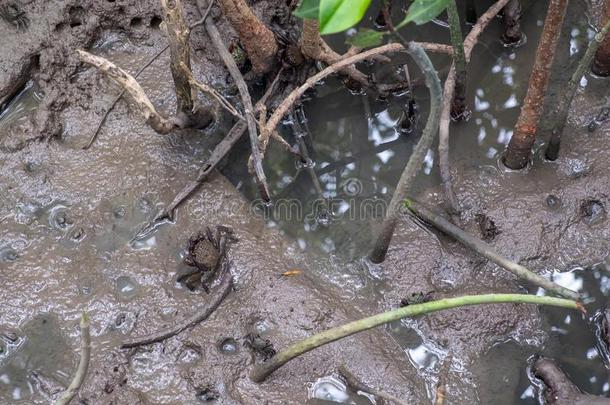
(487, 250)
(261, 371)
(552, 150)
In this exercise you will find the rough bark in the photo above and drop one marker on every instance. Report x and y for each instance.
(601, 63)
(512, 23)
(178, 37)
(519, 149)
(258, 40)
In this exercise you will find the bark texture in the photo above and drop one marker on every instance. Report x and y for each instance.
(601, 63)
(178, 37)
(520, 146)
(258, 40)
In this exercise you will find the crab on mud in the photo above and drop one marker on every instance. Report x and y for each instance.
(12, 14)
(207, 253)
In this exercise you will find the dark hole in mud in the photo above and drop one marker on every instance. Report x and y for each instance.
(155, 22)
(136, 23)
(76, 14)
(207, 395)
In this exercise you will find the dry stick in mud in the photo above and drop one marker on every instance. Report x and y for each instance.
(552, 150)
(257, 159)
(261, 371)
(258, 40)
(358, 385)
(487, 250)
(157, 122)
(417, 157)
(519, 150)
(558, 389)
(601, 63)
(449, 88)
(83, 364)
(221, 292)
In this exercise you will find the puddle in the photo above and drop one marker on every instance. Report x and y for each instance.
(22, 105)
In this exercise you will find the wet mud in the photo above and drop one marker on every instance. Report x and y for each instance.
(68, 217)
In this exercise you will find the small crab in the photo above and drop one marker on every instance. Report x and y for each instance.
(416, 298)
(12, 14)
(207, 252)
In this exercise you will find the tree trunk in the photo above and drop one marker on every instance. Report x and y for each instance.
(258, 40)
(519, 149)
(601, 64)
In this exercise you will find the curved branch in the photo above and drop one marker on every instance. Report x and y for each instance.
(83, 365)
(262, 371)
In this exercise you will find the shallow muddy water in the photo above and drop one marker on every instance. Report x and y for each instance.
(68, 230)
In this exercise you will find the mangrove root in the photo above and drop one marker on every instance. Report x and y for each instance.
(258, 40)
(487, 250)
(261, 371)
(223, 289)
(519, 149)
(558, 389)
(157, 122)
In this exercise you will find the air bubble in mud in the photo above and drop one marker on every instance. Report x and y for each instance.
(58, 218)
(261, 327)
(329, 388)
(8, 254)
(228, 346)
(126, 287)
(553, 202)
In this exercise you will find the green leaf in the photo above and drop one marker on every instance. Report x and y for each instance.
(339, 15)
(366, 38)
(309, 9)
(423, 11)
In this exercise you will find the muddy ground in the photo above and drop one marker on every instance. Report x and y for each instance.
(67, 217)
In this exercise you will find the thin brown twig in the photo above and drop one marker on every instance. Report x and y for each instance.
(448, 92)
(215, 95)
(223, 289)
(296, 94)
(227, 58)
(358, 385)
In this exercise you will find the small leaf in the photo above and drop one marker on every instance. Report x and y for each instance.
(339, 15)
(366, 38)
(309, 9)
(423, 11)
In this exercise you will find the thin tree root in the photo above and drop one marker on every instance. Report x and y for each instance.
(552, 150)
(83, 365)
(487, 251)
(451, 200)
(223, 289)
(261, 371)
(417, 157)
(157, 122)
(257, 157)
